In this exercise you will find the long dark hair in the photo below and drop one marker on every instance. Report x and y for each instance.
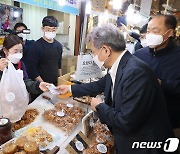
(9, 42)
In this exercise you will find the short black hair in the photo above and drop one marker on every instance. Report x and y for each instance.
(144, 29)
(19, 24)
(50, 21)
(170, 21)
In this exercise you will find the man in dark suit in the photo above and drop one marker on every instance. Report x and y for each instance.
(134, 107)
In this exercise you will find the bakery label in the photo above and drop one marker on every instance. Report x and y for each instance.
(70, 105)
(60, 114)
(102, 148)
(79, 145)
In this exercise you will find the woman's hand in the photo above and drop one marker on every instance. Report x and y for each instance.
(3, 63)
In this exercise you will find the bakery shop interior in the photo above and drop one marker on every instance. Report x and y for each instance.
(89, 76)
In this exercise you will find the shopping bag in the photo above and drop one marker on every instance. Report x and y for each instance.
(14, 97)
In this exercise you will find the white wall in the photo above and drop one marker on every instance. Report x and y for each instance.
(69, 39)
(72, 32)
(32, 17)
(8, 2)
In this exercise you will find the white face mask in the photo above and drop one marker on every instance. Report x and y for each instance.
(143, 43)
(15, 58)
(50, 35)
(98, 62)
(23, 36)
(153, 40)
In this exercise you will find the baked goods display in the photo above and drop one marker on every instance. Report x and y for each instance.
(102, 141)
(27, 118)
(38, 135)
(64, 116)
(21, 146)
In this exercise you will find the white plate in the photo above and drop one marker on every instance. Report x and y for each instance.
(54, 134)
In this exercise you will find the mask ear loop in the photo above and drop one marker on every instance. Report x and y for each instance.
(165, 34)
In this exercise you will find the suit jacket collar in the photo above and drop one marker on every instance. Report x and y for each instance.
(119, 73)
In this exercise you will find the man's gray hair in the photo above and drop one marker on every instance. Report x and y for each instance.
(107, 34)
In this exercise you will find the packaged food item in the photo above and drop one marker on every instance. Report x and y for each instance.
(88, 123)
(78, 144)
(102, 140)
(38, 135)
(64, 116)
(84, 99)
(5, 130)
(27, 118)
(65, 96)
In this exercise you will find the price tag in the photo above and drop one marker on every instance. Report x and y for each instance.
(102, 148)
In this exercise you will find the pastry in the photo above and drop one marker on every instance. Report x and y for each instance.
(10, 148)
(20, 142)
(31, 148)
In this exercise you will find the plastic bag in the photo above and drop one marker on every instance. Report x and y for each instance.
(14, 97)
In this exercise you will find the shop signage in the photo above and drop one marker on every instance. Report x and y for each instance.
(86, 68)
(72, 6)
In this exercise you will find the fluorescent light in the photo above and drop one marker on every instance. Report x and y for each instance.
(88, 7)
(106, 15)
(16, 14)
(117, 4)
(62, 2)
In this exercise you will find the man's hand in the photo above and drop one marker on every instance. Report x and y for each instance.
(159, 81)
(64, 88)
(44, 86)
(95, 102)
(3, 63)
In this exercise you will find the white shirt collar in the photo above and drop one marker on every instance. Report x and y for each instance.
(114, 67)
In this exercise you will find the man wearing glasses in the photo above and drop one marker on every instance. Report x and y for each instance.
(44, 60)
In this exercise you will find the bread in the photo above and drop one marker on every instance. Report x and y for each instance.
(10, 148)
(31, 148)
(21, 142)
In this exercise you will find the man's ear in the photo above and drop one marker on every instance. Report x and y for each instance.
(107, 49)
(171, 33)
(42, 28)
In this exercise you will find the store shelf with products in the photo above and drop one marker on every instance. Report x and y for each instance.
(63, 19)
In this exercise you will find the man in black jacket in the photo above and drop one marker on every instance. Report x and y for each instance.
(163, 56)
(134, 107)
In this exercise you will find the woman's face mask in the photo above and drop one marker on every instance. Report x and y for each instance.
(15, 58)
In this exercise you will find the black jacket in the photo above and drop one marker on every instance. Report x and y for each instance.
(138, 110)
(166, 65)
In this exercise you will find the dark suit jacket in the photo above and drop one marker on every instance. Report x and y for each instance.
(138, 110)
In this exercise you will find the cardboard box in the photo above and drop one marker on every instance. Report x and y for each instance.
(69, 60)
(64, 80)
(69, 64)
(68, 69)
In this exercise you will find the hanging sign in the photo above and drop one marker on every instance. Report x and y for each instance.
(86, 68)
(71, 6)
